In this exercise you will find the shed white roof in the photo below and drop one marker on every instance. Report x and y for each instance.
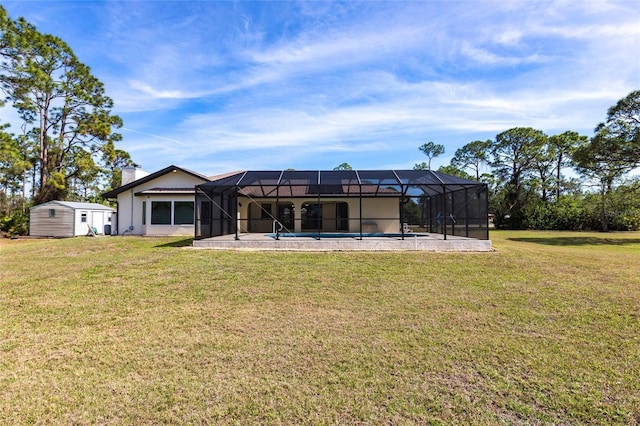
(77, 205)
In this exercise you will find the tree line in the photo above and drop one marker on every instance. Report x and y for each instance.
(566, 181)
(65, 148)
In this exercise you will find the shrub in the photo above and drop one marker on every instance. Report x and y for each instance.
(14, 224)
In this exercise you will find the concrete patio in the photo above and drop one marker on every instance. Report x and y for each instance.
(412, 242)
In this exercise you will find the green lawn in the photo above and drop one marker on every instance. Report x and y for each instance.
(126, 330)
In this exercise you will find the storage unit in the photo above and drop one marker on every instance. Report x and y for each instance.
(69, 219)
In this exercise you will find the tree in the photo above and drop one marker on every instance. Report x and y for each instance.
(599, 160)
(421, 166)
(513, 155)
(563, 145)
(613, 151)
(116, 160)
(454, 171)
(10, 161)
(343, 166)
(544, 166)
(472, 156)
(53, 91)
(623, 123)
(431, 150)
(15, 161)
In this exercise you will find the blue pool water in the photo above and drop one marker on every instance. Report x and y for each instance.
(339, 235)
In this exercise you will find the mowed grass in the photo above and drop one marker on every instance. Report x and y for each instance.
(127, 330)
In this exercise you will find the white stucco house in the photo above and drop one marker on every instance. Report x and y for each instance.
(176, 201)
(69, 219)
(154, 204)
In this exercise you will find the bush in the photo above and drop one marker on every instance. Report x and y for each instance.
(567, 214)
(632, 220)
(626, 221)
(14, 224)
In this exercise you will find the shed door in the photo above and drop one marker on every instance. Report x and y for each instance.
(97, 221)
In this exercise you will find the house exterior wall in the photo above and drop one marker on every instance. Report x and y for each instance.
(159, 230)
(60, 225)
(379, 214)
(130, 206)
(94, 218)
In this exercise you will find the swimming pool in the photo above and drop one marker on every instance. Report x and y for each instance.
(342, 235)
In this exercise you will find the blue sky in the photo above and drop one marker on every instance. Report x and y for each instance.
(215, 86)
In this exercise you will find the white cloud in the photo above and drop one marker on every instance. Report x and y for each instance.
(246, 82)
(345, 47)
(509, 37)
(157, 94)
(484, 56)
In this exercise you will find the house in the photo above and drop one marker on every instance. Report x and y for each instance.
(176, 201)
(69, 219)
(160, 203)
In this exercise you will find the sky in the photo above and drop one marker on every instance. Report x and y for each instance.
(219, 86)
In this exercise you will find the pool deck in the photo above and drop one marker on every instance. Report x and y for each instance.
(412, 242)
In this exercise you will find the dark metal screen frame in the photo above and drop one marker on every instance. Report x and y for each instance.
(439, 206)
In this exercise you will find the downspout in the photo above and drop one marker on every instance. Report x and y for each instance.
(131, 224)
(117, 216)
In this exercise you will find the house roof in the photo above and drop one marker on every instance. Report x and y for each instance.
(77, 205)
(225, 175)
(114, 193)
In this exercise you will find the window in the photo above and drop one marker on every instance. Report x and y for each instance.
(286, 213)
(311, 216)
(52, 212)
(161, 212)
(266, 211)
(83, 217)
(170, 212)
(183, 213)
(144, 212)
(342, 216)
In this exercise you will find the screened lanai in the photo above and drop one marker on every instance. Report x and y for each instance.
(333, 203)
